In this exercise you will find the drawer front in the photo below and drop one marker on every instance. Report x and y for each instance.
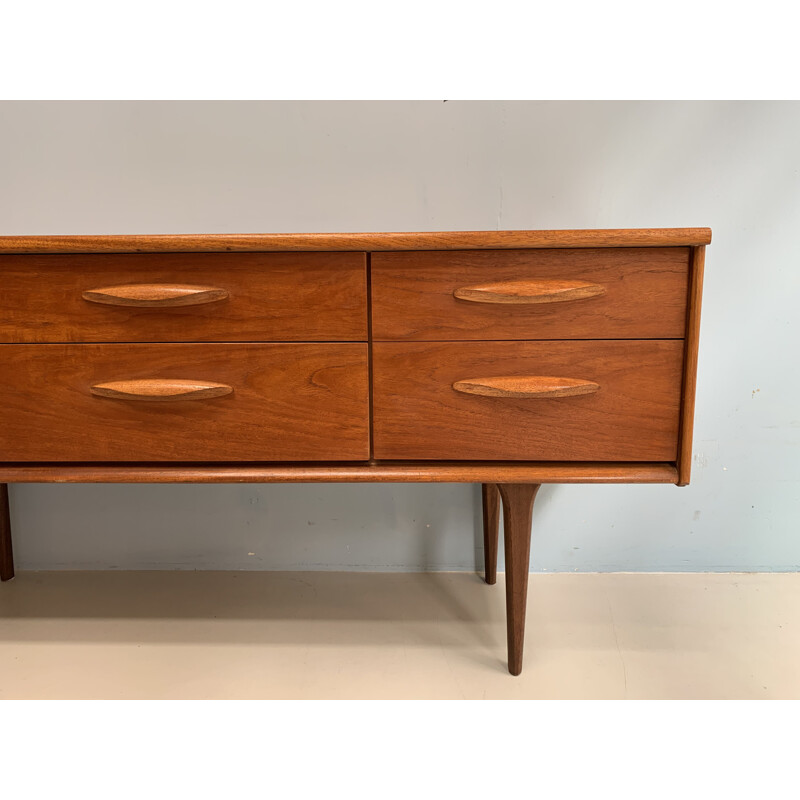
(184, 402)
(531, 401)
(598, 293)
(183, 297)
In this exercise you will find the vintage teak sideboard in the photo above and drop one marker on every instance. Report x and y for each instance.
(506, 358)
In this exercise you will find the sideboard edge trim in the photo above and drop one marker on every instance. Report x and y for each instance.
(356, 242)
(412, 472)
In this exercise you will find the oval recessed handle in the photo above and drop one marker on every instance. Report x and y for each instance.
(155, 295)
(529, 292)
(526, 386)
(161, 389)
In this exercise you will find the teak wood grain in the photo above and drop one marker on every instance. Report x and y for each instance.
(690, 365)
(632, 417)
(422, 240)
(529, 386)
(155, 295)
(365, 472)
(506, 358)
(6, 552)
(270, 297)
(161, 390)
(490, 503)
(289, 402)
(517, 513)
(529, 292)
(415, 294)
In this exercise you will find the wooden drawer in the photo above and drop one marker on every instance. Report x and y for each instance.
(586, 293)
(631, 413)
(288, 402)
(248, 297)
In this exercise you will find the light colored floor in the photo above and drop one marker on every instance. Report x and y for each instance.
(386, 635)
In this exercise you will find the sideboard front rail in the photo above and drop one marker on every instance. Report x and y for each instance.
(381, 472)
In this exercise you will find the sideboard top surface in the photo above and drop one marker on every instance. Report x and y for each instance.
(281, 242)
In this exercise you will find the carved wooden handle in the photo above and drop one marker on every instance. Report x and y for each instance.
(523, 386)
(529, 292)
(155, 295)
(161, 389)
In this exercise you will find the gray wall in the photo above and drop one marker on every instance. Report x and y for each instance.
(264, 167)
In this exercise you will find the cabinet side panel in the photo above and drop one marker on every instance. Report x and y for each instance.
(692, 342)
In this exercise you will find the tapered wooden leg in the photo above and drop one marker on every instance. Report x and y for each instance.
(6, 554)
(491, 530)
(517, 512)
